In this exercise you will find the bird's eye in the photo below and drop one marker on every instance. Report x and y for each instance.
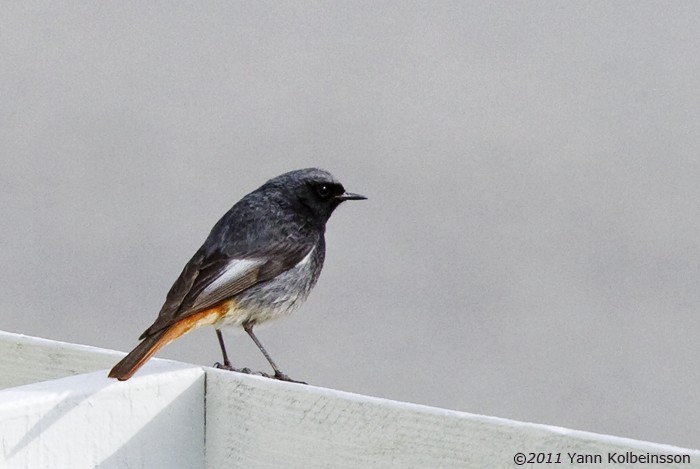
(323, 191)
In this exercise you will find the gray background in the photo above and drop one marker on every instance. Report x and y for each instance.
(531, 245)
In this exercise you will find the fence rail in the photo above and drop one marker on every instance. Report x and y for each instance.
(59, 409)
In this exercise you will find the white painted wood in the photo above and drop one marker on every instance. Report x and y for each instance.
(27, 359)
(154, 420)
(161, 416)
(254, 422)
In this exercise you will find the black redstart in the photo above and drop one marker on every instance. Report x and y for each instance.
(259, 262)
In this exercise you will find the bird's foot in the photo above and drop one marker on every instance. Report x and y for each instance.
(228, 367)
(282, 377)
(278, 375)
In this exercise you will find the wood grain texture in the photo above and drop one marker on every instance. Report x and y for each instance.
(257, 423)
(155, 420)
(174, 415)
(28, 359)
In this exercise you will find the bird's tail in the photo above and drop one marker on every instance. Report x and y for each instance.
(137, 357)
(159, 339)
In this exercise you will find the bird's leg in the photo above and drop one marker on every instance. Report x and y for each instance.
(227, 363)
(248, 327)
(220, 336)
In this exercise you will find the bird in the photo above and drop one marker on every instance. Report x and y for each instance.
(259, 262)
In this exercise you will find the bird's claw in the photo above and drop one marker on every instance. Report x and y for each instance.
(278, 375)
(282, 377)
(229, 367)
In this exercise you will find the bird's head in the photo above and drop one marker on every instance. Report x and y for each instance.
(313, 190)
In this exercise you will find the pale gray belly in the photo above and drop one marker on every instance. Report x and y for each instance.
(276, 297)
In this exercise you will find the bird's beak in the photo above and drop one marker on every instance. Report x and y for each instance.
(350, 196)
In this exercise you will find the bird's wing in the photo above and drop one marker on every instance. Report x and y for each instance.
(236, 276)
(209, 279)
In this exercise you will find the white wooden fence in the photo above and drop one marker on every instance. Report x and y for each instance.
(58, 409)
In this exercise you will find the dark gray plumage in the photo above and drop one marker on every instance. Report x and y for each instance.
(259, 262)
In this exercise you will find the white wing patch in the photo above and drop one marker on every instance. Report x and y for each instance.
(235, 269)
(306, 258)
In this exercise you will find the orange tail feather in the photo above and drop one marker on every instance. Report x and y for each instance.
(151, 344)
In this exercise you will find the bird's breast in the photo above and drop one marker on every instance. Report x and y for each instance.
(278, 296)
